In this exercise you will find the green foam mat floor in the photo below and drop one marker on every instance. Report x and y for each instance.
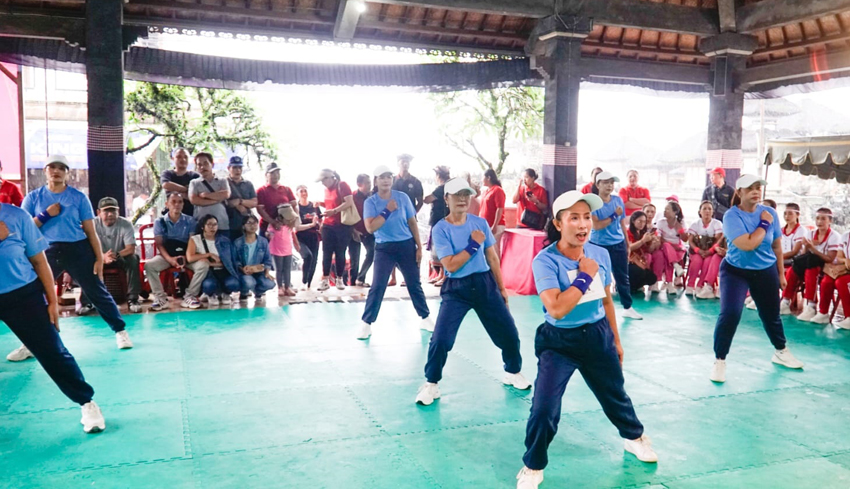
(285, 397)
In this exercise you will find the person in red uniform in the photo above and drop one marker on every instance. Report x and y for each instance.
(9, 192)
(588, 187)
(493, 207)
(532, 198)
(633, 195)
(271, 195)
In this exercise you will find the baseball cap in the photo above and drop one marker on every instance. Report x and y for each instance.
(606, 175)
(405, 157)
(719, 171)
(569, 199)
(381, 169)
(235, 161)
(746, 181)
(272, 167)
(456, 185)
(108, 203)
(324, 174)
(60, 159)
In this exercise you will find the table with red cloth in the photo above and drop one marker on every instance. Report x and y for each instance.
(519, 247)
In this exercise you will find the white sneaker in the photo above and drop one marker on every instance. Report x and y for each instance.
(631, 313)
(808, 313)
(159, 303)
(843, 324)
(20, 354)
(706, 292)
(529, 479)
(190, 302)
(226, 300)
(752, 305)
(689, 291)
(655, 288)
(123, 340)
(213, 301)
(427, 324)
(784, 357)
(365, 331)
(340, 285)
(749, 300)
(517, 380)
(678, 270)
(204, 298)
(134, 306)
(821, 318)
(671, 289)
(785, 308)
(428, 392)
(718, 371)
(325, 285)
(92, 419)
(642, 449)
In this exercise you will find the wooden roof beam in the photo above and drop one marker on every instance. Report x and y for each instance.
(619, 13)
(347, 17)
(774, 13)
(646, 71)
(797, 70)
(71, 29)
(726, 11)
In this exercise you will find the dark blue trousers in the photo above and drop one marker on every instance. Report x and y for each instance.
(619, 254)
(388, 256)
(220, 281)
(734, 283)
(24, 311)
(560, 352)
(77, 258)
(480, 292)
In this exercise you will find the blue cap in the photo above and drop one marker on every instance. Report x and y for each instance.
(235, 161)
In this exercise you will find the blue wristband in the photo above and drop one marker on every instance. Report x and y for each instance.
(385, 213)
(613, 217)
(582, 282)
(764, 224)
(472, 247)
(44, 217)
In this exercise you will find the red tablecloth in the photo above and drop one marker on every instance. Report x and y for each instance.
(519, 247)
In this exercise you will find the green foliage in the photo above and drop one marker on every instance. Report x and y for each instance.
(499, 114)
(198, 119)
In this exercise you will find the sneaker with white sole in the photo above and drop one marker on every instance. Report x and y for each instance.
(642, 449)
(517, 381)
(786, 358)
(706, 292)
(689, 291)
(20, 354)
(159, 303)
(718, 371)
(748, 300)
(123, 340)
(134, 306)
(529, 479)
(204, 298)
(785, 308)
(92, 419)
(655, 288)
(226, 299)
(808, 313)
(821, 318)
(340, 285)
(190, 302)
(678, 270)
(427, 324)
(323, 286)
(752, 305)
(365, 331)
(85, 309)
(843, 324)
(427, 394)
(213, 301)
(631, 314)
(671, 289)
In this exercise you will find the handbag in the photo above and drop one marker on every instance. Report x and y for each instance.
(349, 216)
(533, 220)
(801, 263)
(835, 270)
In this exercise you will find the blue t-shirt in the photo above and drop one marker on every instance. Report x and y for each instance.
(24, 241)
(613, 232)
(251, 250)
(550, 269)
(179, 231)
(737, 223)
(67, 227)
(449, 240)
(395, 228)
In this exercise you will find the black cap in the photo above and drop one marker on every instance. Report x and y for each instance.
(272, 167)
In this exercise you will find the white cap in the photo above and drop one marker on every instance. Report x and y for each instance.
(569, 199)
(456, 185)
(746, 181)
(380, 170)
(606, 175)
(57, 159)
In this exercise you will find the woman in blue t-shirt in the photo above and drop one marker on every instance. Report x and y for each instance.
(753, 262)
(389, 216)
(66, 219)
(573, 278)
(465, 246)
(27, 279)
(609, 232)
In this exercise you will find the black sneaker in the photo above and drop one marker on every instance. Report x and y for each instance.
(134, 306)
(85, 309)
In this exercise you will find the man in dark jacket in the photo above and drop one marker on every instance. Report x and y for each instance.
(718, 193)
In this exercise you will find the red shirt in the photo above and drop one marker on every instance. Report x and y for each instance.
(10, 194)
(492, 201)
(525, 203)
(588, 188)
(334, 197)
(270, 197)
(627, 193)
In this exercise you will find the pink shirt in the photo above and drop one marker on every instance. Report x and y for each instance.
(280, 241)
